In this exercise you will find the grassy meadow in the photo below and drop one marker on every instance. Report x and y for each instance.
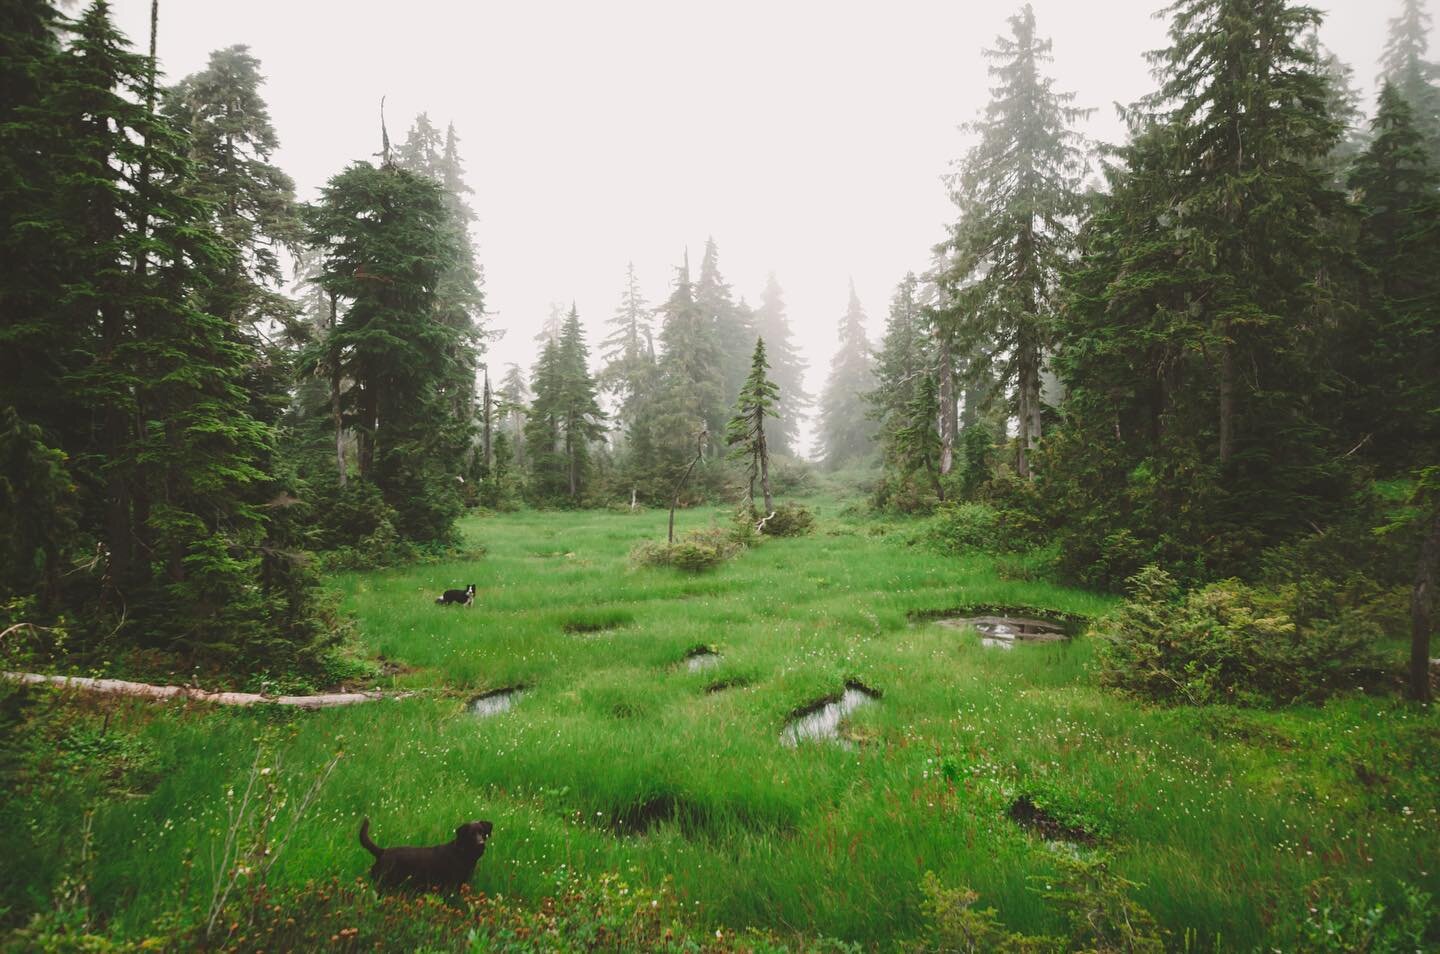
(617, 758)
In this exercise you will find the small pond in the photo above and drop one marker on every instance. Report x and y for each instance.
(1003, 632)
(822, 719)
(495, 702)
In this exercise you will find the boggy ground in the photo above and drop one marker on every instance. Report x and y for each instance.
(618, 758)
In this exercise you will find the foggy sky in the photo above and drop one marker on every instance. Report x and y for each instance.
(808, 138)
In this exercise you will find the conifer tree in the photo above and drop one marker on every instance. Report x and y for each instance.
(581, 421)
(545, 462)
(515, 397)
(914, 446)
(1195, 299)
(733, 332)
(1391, 354)
(629, 354)
(388, 240)
(688, 392)
(1414, 77)
(787, 369)
(1019, 193)
(902, 365)
(252, 202)
(845, 434)
(162, 458)
(745, 433)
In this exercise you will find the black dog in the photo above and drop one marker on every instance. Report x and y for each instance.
(442, 867)
(465, 597)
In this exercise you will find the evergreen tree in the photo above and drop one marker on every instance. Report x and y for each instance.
(914, 446)
(629, 354)
(1342, 104)
(1191, 346)
(581, 420)
(733, 332)
(388, 240)
(902, 365)
(253, 209)
(745, 432)
(459, 298)
(845, 436)
(144, 412)
(1391, 353)
(544, 460)
(788, 369)
(515, 397)
(1019, 194)
(688, 392)
(1415, 78)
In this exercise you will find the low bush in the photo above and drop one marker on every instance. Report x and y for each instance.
(1229, 643)
(1098, 906)
(694, 552)
(790, 520)
(961, 528)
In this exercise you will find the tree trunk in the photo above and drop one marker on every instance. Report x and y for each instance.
(335, 414)
(1028, 385)
(1227, 399)
(488, 410)
(765, 471)
(947, 408)
(1422, 602)
(675, 498)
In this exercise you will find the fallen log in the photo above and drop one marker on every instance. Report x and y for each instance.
(120, 687)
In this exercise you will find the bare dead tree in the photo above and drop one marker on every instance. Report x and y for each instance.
(675, 497)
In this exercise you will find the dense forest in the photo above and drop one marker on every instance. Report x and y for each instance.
(1196, 373)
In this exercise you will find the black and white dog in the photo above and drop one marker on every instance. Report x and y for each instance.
(465, 597)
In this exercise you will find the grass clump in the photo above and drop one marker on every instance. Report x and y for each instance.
(790, 519)
(1228, 643)
(695, 552)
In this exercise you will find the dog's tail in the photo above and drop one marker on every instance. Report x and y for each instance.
(365, 841)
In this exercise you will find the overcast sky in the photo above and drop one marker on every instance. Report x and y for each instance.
(808, 138)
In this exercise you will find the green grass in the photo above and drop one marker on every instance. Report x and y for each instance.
(1222, 816)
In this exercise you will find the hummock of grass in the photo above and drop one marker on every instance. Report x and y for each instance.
(618, 758)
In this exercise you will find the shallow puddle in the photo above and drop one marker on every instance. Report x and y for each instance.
(495, 702)
(822, 721)
(701, 658)
(1002, 632)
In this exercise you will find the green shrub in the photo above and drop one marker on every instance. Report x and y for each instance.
(1097, 904)
(1228, 643)
(790, 520)
(696, 551)
(961, 528)
(1339, 919)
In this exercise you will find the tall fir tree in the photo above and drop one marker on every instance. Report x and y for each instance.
(147, 417)
(459, 294)
(252, 202)
(787, 369)
(903, 364)
(514, 397)
(845, 433)
(1019, 194)
(732, 330)
(745, 432)
(1415, 78)
(388, 240)
(581, 421)
(688, 393)
(1192, 342)
(545, 462)
(629, 354)
(1391, 352)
